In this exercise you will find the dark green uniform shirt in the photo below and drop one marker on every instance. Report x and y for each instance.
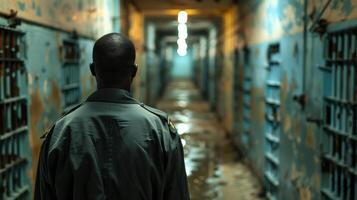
(112, 147)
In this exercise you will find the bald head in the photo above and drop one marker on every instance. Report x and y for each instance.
(113, 59)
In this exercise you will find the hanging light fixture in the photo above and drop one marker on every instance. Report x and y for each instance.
(182, 17)
(182, 33)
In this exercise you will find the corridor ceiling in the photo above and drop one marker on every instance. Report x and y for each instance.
(193, 7)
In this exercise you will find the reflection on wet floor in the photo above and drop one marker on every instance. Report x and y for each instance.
(213, 166)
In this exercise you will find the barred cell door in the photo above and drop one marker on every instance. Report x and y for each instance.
(339, 158)
(71, 74)
(236, 95)
(247, 98)
(14, 145)
(272, 125)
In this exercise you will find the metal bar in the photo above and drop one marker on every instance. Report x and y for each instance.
(272, 138)
(272, 102)
(340, 164)
(13, 133)
(272, 179)
(13, 164)
(13, 114)
(271, 83)
(12, 30)
(21, 192)
(70, 86)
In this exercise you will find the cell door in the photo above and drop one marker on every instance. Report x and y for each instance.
(71, 74)
(235, 96)
(272, 124)
(339, 160)
(247, 98)
(13, 118)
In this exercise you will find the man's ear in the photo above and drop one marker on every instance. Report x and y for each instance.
(135, 70)
(92, 70)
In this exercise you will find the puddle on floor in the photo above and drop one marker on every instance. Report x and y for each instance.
(214, 168)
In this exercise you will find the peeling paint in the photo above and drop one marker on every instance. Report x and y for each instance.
(36, 110)
(310, 139)
(305, 193)
(295, 174)
(87, 22)
(55, 97)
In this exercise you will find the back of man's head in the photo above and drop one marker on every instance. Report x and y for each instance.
(113, 59)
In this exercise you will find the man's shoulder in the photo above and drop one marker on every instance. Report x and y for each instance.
(61, 119)
(163, 116)
(159, 113)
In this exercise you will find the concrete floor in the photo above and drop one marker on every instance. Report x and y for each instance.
(214, 168)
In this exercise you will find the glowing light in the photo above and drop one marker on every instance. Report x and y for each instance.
(182, 33)
(181, 52)
(182, 17)
(182, 28)
(182, 128)
(183, 142)
(182, 46)
(181, 41)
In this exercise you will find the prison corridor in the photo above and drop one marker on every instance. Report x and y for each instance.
(214, 167)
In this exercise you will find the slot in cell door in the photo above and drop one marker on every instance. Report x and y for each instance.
(339, 157)
(14, 146)
(272, 124)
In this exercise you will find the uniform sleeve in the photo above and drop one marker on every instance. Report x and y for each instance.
(176, 187)
(72, 168)
(43, 189)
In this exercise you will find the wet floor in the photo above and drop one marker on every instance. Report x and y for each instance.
(214, 168)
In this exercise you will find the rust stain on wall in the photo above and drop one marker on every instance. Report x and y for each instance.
(84, 88)
(316, 180)
(297, 128)
(258, 107)
(286, 124)
(92, 18)
(36, 110)
(92, 83)
(310, 141)
(305, 193)
(55, 97)
(295, 174)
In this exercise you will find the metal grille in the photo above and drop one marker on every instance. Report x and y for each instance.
(13, 117)
(71, 74)
(236, 91)
(247, 98)
(272, 125)
(339, 166)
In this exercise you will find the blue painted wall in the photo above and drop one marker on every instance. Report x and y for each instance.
(261, 23)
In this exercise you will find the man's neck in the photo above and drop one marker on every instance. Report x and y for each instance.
(113, 86)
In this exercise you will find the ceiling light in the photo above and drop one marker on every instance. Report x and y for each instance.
(182, 28)
(182, 17)
(181, 52)
(182, 35)
(181, 41)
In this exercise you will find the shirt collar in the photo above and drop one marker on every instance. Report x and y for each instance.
(112, 95)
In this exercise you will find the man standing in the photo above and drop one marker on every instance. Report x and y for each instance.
(111, 147)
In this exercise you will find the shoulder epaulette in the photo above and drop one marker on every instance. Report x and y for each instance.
(65, 113)
(71, 109)
(163, 116)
